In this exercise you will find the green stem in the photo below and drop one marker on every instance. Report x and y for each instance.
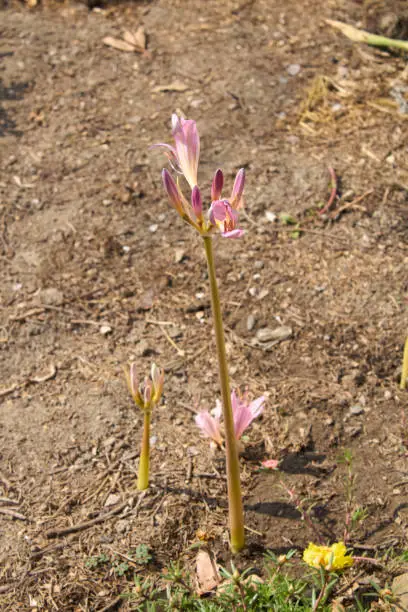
(404, 374)
(236, 515)
(143, 479)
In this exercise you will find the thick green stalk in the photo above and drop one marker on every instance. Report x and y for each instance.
(143, 479)
(236, 515)
(404, 373)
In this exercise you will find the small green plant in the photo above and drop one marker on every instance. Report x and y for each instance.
(121, 568)
(141, 554)
(97, 561)
(354, 514)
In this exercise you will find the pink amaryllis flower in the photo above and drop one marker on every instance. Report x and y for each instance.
(244, 412)
(185, 153)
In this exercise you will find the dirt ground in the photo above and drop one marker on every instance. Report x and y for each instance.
(97, 271)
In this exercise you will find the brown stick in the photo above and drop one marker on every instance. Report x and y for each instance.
(112, 604)
(13, 514)
(56, 533)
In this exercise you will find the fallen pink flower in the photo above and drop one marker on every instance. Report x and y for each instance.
(245, 412)
(270, 464)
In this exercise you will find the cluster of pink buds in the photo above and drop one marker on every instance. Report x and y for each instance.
(243, 412)
(184, 155)
(148, 393)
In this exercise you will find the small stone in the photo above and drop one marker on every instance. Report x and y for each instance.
(251, 321)
(153, 228)
(179, 255)
(51, 297)
(142, 349)
(105, 330)
(263, 293)
(268, 335)
(356, 410)
(253, 291)
(387, 395)
(270, 216)
(112, 499)
(121, 526)
(258, 264)
(293, 69)
(353, 431)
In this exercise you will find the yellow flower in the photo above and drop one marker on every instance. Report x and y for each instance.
(330, 558)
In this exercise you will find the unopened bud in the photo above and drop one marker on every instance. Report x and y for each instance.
(238, 189)
(173, 191)
(217, 184)
(196, 202)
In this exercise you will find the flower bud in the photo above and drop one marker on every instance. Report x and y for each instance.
(238, 189)
(217, 184)
(197, 203)
(173, 192)
(158, 379)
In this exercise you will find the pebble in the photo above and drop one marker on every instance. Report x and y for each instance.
(387, 394)
(105, 330)
(179, 255)
(258, 264)
(142, 349)
(112, 499)
(270, 216)
(279, 333)
(51, 296)
(251, 321)
(153, 228)
(293, 69)
(356, 410)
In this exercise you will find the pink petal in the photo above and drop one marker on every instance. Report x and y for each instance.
(257, 406)
(270, 464)
(244, 413)
(209, 426)
(236, 233)
(187, 143)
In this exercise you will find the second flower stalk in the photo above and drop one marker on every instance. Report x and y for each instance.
(146, 395)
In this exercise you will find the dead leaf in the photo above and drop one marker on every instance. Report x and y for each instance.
(400, 589)
(118, 44)
(137, 39)
(207, 574)
(174, 86)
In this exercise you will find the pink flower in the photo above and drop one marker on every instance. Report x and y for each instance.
(245, 412)
(270, 464)
(186, 152)
(210, 425)
(225, 218)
